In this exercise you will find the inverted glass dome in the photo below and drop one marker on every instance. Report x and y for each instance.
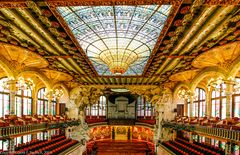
(118, 40)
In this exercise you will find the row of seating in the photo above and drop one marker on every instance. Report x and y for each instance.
(196, 147)
(30, 119)
(89, 148)
(182, 147)
(228, 123)
(95, 119)
(56, 145)
(174, 149)
(210, 147)
(42, 144)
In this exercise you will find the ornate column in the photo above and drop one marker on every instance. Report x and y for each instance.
(57, 106)
(185, 108)
(228, 148)
(229, 92)
(50, 97)
(107, 96)
(12, 93)
(190, 137)
(34, 102)
(209, 103)
(190, 106)
(11, 145)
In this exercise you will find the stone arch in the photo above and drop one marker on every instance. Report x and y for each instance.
(5, 66)
(178, 87)
(63, 86)
(235, 68)
(40, 75)
(204, 73)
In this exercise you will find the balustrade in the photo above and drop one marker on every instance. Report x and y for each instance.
(229, 135)
(10, 131)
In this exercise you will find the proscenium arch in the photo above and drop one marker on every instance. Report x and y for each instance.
(204, 73)
(40, 75)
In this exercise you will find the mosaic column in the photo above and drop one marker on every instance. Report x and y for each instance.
(228, 148)
(12, 93)
(190, 106)
(229, 92)
(185, 108)
(50, 96)
(209, 103)
(57, 107)
(11, 145)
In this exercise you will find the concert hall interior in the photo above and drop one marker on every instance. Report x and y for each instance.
(120, 77)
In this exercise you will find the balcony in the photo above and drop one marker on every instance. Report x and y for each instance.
(226, 134)
(14, 131)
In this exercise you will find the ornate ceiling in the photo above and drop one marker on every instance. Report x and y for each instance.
(191, 29)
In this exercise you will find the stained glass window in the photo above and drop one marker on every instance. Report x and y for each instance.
(144, 108)
(219, 103)
(54, 104)
(42, 104)
(119, 33)
(199, 103)
(4, 100)
(236, 111)
(97, 109)
(23, 102)
(236, 103)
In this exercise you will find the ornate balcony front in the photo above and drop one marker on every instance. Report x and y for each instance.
(227, 134)
(14, 131)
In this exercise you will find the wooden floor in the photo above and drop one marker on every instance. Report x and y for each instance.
(113, 147)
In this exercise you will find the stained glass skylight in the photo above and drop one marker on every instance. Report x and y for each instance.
(114, 36)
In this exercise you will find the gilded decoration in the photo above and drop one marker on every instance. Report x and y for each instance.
(222, 56)
(84, 95)
(20, 58)
(56, 76)
(184, 76)
(186, 35)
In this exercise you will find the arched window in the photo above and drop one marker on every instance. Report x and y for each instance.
(219, 103)
(236, 103)
(54, 103)
(97, 109)
(42, 104)
(199, 103)
(23, 102)
(144, 108)
(4, 99)
(102, 106)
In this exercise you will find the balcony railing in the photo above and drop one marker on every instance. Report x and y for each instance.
(12, 131)
(230, 135)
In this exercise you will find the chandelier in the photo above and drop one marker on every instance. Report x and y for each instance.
(184, 94)
(56, 93)
(118, 61)
(221, 84)
(20, 84)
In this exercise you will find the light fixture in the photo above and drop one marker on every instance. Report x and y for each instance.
(221, 84)
(184, 94)
(20, 84)
(56, 93)
(118, 61)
